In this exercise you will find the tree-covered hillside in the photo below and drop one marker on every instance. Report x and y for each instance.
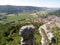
(57, 13)
(19, 9)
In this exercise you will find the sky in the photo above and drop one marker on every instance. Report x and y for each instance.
(38, 3)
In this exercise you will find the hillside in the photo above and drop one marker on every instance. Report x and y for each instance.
(56, 12)
(12, 18)
(9, 33)
(19, 9)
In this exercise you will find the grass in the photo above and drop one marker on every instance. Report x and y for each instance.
(1, 21)
(14, 17)
(37, 37)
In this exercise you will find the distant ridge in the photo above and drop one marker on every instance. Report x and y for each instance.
(16, 9)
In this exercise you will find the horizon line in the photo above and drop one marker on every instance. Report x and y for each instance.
(29, 5)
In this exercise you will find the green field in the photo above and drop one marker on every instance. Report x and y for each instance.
(14, 17)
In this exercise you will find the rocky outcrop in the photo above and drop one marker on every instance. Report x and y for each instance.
(27, 33)
(46, 31)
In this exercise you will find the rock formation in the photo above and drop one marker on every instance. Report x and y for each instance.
(46, 31)
(27, 34)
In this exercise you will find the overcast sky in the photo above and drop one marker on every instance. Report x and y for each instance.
(39, 3)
